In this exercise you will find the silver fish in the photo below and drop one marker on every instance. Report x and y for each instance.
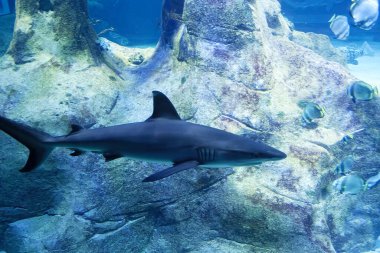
(362, 91)
(372, 181)
(350, 184)
(365, 13)
(340, 27)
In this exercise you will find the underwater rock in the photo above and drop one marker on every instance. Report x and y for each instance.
(118, 57)
(352, 53)
(320, 44)
(63, 32)
(136, 59)
(206, 63)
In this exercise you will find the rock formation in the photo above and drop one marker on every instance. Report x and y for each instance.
(229, 64)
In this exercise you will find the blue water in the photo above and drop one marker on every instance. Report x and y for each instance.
(315, 19)
(126, 22)
(135, 22)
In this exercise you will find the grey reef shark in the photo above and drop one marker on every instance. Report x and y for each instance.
(163, 137)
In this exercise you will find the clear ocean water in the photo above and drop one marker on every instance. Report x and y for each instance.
(134, 23)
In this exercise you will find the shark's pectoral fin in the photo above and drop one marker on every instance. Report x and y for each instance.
(111, 156)
(172, 170)
(163, 108)
(76, 152)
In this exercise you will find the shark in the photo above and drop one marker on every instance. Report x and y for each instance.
(163, 137)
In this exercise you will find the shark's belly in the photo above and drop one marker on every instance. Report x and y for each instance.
(152, 153)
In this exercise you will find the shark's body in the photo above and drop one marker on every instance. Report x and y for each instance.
(164, 137)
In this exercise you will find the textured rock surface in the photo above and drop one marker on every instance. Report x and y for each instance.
(321, 45)
(119, 57)
(52, 29)
(233, 68)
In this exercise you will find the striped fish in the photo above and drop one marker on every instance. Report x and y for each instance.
(365, 13)
(340, 27)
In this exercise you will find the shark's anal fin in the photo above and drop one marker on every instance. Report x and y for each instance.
(76, 152)
(163, 108)
(172, 170)
(36, 157)
(111, 156)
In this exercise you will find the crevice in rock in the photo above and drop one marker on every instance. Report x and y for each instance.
(45, 5)
(243, 123)
(272, 20)
(322, 145)
(104, 235)
(19, 50)
(287, 196)
(114, 102)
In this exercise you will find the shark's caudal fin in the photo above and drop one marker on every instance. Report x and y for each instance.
(36, 141)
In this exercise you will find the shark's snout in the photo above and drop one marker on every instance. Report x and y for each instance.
(279, 155)
(274, 154)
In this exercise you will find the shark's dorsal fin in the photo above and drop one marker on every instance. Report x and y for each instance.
(163, 108)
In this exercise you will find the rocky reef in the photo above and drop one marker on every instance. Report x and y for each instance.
(231, 64)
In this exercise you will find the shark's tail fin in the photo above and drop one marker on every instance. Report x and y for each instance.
(38, 143)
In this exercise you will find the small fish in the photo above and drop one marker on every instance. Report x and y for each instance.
(340, 27)
(349, 136)
(372, 181)
(365, 13)
(110, 29)
(345, 166)
(311, 111)
(362, 91)
(350, 184)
